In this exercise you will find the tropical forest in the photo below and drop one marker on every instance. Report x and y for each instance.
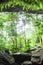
(21, 32)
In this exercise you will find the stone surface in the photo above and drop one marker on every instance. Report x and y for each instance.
(27, 63)
(37, 55)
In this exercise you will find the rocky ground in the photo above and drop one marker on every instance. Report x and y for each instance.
(33, 56)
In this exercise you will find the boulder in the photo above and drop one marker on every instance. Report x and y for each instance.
(27, 63)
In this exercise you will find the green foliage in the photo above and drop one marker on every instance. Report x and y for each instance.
(26, 4)
(30, 31)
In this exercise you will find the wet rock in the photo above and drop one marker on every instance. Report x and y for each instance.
(27, 63)
(36, 59)
(6, 58)
(37, 55)
(21, 57)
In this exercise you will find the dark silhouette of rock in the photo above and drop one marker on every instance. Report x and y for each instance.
(6, 58)
(21, 57)
(33, 56)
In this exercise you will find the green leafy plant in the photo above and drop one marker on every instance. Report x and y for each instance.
(20, 31)
(26, 4)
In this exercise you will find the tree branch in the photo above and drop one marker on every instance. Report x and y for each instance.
(20, 8)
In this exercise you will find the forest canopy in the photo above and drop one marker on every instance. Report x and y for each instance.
(26, 4)
(20, 31)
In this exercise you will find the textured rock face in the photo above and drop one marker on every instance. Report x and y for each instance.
(37, 55)
(21, 57)
(27, 63)
(36, 59)
(6, 58)
(30, 57)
